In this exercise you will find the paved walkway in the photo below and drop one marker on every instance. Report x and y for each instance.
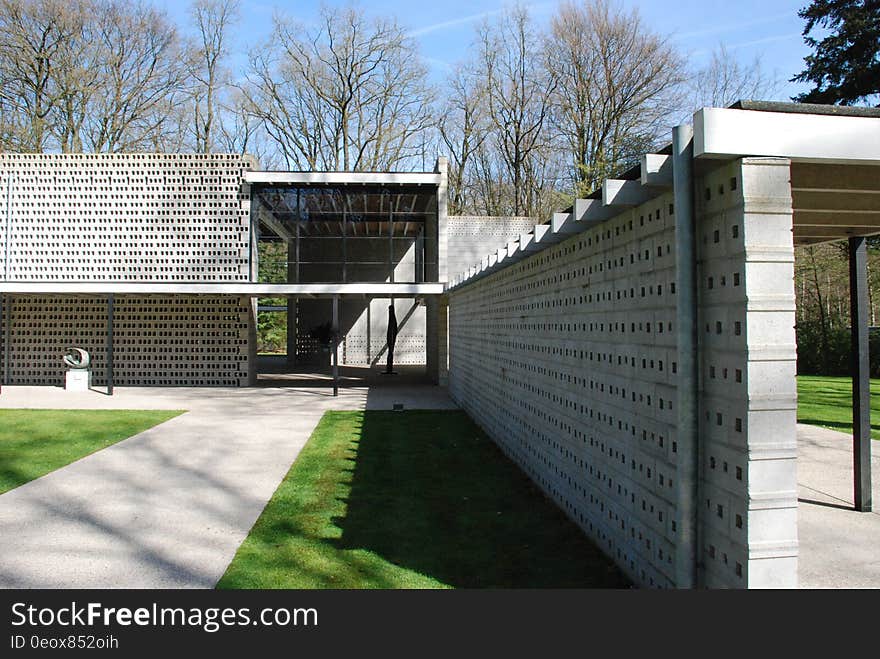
(169, 507)
(166, 508)
(839, 548)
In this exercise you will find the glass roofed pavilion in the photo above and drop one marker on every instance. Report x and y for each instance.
(160, 264)
(376, 230)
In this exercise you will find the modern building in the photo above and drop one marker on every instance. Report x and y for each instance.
(636, 356)
(151, 263)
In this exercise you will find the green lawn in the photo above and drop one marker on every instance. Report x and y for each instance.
(415, 499)
(35, 442)
(827, 401)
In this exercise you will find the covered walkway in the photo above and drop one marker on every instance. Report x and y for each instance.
(839, 548)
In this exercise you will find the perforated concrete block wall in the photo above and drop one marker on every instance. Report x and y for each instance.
(133, 217)
(748, 394)
(568, 359)
(471, 237)
(179, 340)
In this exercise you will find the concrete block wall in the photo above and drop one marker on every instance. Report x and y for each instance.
(471, 237)
(159, 340)
(748, 393)
(568, 359)
(468, 239)
(124, 217)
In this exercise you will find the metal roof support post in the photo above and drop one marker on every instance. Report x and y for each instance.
(861, 383)
(335, 345)
(110, 304)
(7, 338)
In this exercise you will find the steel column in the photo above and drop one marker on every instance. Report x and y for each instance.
(110, 306)
(391, 241)
(335, 345)
(2, 324)
(7, 338)
(861, 383)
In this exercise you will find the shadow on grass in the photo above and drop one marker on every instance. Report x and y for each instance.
(431, 493)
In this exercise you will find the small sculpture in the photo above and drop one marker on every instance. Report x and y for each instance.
(77, 359)
(391, 338)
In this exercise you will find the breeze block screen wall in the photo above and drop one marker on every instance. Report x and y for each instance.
(131, 217)
(124, 219)
(471, 237)
(568, 359)
(158, 340)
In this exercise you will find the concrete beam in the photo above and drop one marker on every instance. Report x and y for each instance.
(564, 223)
(592, 211)
(527, 243)
(343, 178)
(656, 170)
(542, 234)
(253, 290)
(513, 249)
(617, 192)
(726, 134)
(272, 222)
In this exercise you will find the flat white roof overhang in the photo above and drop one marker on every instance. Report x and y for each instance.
(343, 178)
(835, 175)
(251, 290)
(721, 133)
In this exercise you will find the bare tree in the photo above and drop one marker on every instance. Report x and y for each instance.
(347, 94)
(140, 78)
(725, 79)
(241, 132)
(31, 36)
(463, 125)
(619, 82)
(212, 19)
(99, 75)
(518, 91)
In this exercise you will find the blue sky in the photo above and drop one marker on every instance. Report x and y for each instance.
(770, 29)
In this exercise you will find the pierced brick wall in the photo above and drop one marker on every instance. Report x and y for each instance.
(471, 237)
(568, 359)
(132, 217)
(159, 340)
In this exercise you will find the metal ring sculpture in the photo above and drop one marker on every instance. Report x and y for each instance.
(77, 358)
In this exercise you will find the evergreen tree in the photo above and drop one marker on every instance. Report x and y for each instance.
(845, 64)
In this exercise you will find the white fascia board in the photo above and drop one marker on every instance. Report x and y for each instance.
(723, 134)
(343, 178)
(261, 290)
(656, 170)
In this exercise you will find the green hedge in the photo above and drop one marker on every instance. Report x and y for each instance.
(814, 359)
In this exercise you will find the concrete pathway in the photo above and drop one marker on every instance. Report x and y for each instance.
(839, 548)
(169, 507)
